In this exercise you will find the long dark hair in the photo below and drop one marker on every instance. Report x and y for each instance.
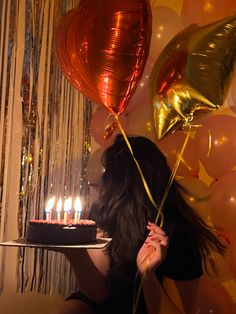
(124, 208)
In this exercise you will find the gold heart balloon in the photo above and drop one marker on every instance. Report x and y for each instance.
(192, 75)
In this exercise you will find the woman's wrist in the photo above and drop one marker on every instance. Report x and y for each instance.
(149, 276)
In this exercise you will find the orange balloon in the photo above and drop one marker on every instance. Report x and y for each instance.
(233, 308)
(216, 145)
(223, 272)
(171, 147)
(206, 11)
(196, 194)
(141, 96)
(102, 47)
(166, 23)
(211, 297)
(100, 122)
(223, 203)
(231, 99)
(141, 122)
(231, 255)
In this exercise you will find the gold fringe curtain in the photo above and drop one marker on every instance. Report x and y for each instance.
(44, 137)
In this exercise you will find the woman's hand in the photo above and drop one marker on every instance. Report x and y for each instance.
(153, 251)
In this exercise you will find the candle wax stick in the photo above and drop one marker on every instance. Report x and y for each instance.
(48, 216)
(77, 216)
(66, 217)
(58, 216)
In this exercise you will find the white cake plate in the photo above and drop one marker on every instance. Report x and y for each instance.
(22, 242)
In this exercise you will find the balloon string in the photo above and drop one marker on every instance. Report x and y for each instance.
(186, 164)
(135, 304)
(170, 181)
(159, 214)
(174, 170)
(159, 210)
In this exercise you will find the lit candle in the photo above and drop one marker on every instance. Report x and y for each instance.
(78, 209)
(49, 208)
(59, 207)
(67, 209)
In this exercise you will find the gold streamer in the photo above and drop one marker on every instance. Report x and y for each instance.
(54, 133)
(5, 29)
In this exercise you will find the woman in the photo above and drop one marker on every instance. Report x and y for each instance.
(107, 279)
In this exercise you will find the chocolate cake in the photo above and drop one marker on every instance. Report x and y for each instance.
(54, 232)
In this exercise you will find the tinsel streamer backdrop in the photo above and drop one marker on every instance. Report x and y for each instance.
(5, 22)
(44, 138)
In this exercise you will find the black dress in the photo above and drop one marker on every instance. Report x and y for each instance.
(182, 262)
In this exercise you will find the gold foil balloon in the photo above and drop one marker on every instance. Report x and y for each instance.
(192, 74)
(102, 47)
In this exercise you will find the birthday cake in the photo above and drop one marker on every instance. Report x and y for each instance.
(54, 232)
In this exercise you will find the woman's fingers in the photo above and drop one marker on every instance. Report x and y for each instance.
(154, 248)
(146, 255)
(157, 243)
(153, 227)
(156, 236)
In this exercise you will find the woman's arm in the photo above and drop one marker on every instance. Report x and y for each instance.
(91, 267)
(150, 256)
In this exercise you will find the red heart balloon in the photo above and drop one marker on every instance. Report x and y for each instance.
(102, 47)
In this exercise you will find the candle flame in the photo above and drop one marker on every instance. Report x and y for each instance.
(78, 205)
(50, 204)
(59, 205)
(68, 204)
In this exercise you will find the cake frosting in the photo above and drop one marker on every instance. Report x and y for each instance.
(54, 232)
